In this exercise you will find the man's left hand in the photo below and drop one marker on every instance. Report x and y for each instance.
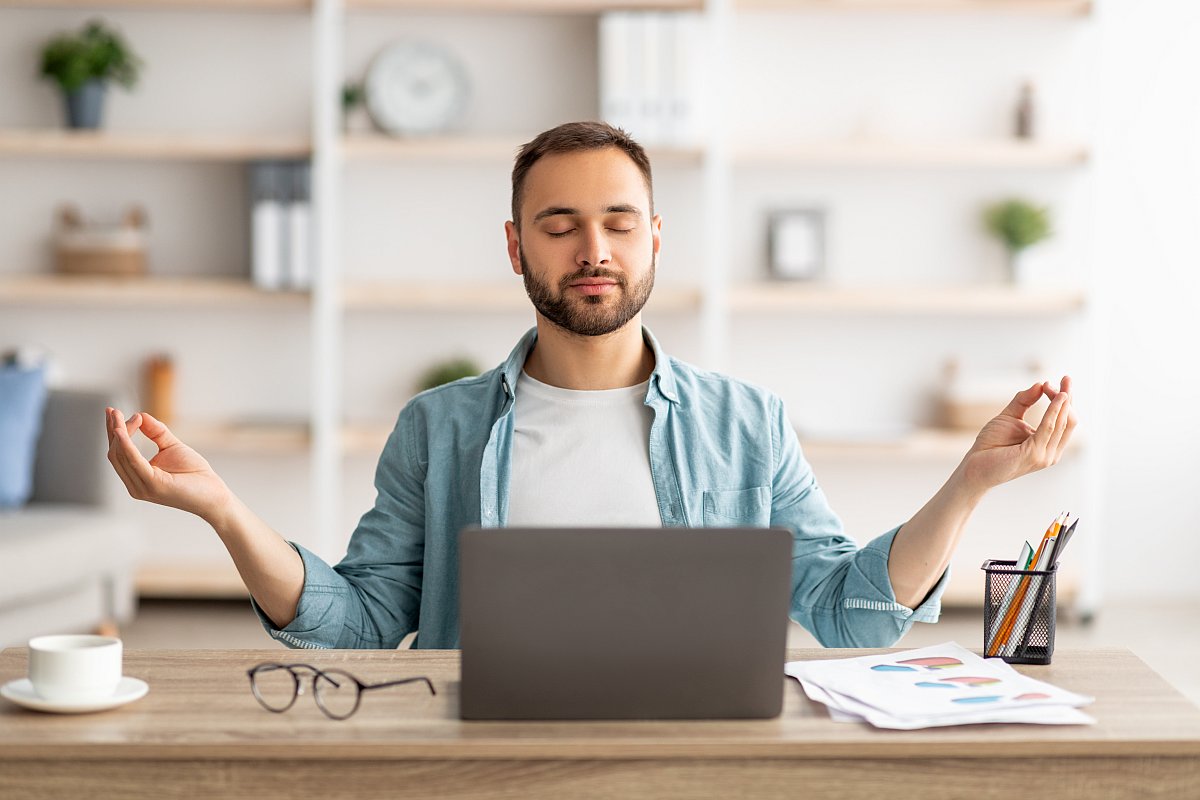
(1009, 447)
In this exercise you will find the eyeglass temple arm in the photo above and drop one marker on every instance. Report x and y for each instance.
(421, 678)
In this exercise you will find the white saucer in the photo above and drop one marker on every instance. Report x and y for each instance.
(21, 692)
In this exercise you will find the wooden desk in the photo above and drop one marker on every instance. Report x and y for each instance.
(200, 731)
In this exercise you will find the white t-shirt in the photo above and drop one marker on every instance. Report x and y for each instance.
(581, 458)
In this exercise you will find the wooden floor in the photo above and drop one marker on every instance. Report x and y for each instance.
(1165, 636)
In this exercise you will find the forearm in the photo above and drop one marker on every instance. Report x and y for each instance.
(923, 546)
(270, 567)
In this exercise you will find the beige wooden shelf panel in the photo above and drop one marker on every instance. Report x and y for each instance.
(223, 6)
(946, 301)
(528, 6)
(1057, 8)
(981, 154)
(208, 581)
(87, 291)
(249, 438)
(150, 146)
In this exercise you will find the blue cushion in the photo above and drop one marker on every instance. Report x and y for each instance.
(22, 400)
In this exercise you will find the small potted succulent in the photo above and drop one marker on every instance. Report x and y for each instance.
(83, 64)
(1018, 225)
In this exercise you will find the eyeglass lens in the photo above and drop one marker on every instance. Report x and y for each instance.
(336, 693)
(275, 687)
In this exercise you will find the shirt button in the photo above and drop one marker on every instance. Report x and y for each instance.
(488, 513)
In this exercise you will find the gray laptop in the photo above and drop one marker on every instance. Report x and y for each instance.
(621, 623)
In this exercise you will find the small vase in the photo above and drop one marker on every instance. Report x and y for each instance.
(1018, 267)
(85, 105)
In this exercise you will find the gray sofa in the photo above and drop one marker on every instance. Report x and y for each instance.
(67, 559)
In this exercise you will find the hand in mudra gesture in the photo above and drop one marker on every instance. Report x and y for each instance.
(1008, 447)
(176, 476)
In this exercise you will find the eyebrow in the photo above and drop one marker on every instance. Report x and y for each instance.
(562, 211)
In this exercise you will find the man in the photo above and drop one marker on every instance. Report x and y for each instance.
(588, 422)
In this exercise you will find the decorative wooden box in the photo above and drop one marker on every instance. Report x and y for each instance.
(91, 249)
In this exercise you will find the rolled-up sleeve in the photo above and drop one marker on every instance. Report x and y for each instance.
(320, 614)
(372, 598)
(841, 593)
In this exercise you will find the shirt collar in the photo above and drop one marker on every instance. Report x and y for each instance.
(662, 379)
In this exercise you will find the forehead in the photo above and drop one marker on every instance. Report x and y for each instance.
(589, 180)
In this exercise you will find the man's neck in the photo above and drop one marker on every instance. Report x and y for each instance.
(590, 363)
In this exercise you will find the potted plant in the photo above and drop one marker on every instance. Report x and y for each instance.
(353, 107)
(83, 63)
(446, 371)
(1019, 225)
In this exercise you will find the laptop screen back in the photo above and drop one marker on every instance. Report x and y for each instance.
(611, 623)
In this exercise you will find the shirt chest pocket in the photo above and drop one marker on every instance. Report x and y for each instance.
(726, 508)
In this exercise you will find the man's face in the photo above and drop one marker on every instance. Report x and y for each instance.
(588, 246)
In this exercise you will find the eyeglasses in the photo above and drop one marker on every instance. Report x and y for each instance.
(337, 692)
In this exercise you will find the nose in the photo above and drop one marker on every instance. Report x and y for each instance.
(594, 250)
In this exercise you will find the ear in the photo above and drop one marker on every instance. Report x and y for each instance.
(514, 246)
(656, 232)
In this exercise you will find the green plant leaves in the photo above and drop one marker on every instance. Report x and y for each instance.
(1017, 223)
(97, 52)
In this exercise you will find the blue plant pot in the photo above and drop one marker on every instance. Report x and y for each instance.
(85, 105)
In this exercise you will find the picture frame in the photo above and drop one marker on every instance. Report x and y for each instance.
(796, 244)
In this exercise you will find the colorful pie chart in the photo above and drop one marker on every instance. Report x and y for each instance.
(966, 680)
(933, 662)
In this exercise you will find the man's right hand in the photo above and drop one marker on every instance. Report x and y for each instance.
(176, 476)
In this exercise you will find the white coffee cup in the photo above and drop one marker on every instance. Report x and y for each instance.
(74, 668)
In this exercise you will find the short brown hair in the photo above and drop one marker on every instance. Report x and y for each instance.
(573, 137)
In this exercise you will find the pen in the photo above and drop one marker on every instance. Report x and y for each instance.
(1014, 606)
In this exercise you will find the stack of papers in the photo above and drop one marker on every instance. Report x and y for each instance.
(945, 684)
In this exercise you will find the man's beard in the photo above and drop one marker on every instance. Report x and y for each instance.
(587, 315)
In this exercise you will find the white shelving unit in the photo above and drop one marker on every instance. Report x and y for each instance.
(716, 299)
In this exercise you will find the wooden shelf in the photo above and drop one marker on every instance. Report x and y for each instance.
(151, 292)
(207, 581)
(149, 146)
(362, 439)
(379, 147)
(944, 301)
(527, 6)
(478, 298)
(983, 154)
(245, 438)
(1055, 8)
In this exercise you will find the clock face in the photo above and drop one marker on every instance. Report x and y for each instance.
(415, 88)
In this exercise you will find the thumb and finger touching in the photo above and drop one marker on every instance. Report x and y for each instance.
(1022, 401)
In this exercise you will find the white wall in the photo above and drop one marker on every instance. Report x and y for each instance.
(1146, 256)
(1123, 80)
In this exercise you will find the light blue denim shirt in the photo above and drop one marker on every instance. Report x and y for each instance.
(722, 453)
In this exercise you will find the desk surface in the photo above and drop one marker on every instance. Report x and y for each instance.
(200, 709)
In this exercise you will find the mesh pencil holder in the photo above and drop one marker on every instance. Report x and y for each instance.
(1018, 613)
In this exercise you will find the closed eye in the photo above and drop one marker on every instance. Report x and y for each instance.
(560, 234)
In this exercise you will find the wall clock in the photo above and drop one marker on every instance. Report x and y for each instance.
(416, 88)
